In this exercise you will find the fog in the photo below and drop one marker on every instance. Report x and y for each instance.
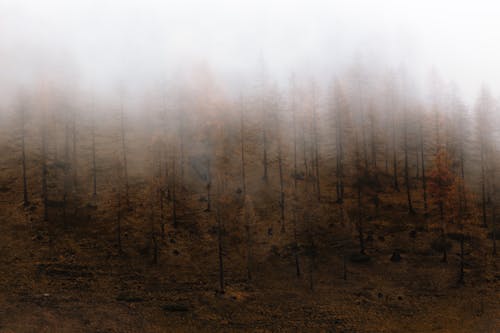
(99, 43)
(253, 165)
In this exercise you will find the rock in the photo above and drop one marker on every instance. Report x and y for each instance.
(359, 258)
(439, 244)
(396, 256)
(497, 235)
(175, 308)
(129, 298)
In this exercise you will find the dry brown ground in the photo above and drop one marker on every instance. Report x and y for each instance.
(78, 283)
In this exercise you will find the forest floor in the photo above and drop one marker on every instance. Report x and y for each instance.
(71, 278)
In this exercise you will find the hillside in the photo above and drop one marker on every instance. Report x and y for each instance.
(71, 277)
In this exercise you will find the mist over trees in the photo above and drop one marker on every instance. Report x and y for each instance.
(307, 153)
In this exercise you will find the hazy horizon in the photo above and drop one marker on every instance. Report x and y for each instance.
(142, 43)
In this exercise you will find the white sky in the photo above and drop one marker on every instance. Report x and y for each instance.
(144, 39)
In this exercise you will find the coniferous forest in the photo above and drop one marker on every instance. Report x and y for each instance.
(364, 202)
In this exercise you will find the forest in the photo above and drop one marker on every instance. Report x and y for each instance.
(303, 186)
(249, 166)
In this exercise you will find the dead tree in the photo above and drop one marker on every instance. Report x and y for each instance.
(220, 231)
(22, 118)
(44, 171)
(124, 154)
(94, 163)
(360, 173)
(422, 164)
(242, 149)
(174, 192)
(74, 161)
(407, 172)
(394, 144)
(294, 120)
(340, 112)
(315, 141)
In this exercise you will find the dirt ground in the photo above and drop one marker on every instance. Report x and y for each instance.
(73, 280)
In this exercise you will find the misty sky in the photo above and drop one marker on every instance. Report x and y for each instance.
(108, 40)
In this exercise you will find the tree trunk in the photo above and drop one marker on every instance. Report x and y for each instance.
(422, 163)
(94, 167)
(407, 172)
(23, 158)
(443, 232)
(220, 249)
(119, 222)
(174, 199)
(74, 163)
(394, 150)
(316, 147)
(282, 190)
(296, 245)
(242, 142)
(44, 173)
(461, 279)
(483, 187)
(124, 156)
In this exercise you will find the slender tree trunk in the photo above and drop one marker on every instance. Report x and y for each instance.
(312, 251)
(174, 199)
(294, 119)
(494, 234)
(23, 157)
(461, 278)
(209, 187)
(124, 155)
(407, 172)
(422, 159)
(249, 240)
(363, 134)
(151, 221)
(296, 245)
(417, 161)
(462, 176)
(394, 149)
(282, 189)
(162, 213)
(339, 157)
(44, 173)
(74, 163)
(483, 186)
(264, 156)
(386, 156)
(181, 137)
(94, 165)
(304, 153)
(316, 146)
(493, 226)
(67, 167)
(373, 141)
(360, 221)
(443, 230)
(220, 249)
(242, 142)
(119, 221)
